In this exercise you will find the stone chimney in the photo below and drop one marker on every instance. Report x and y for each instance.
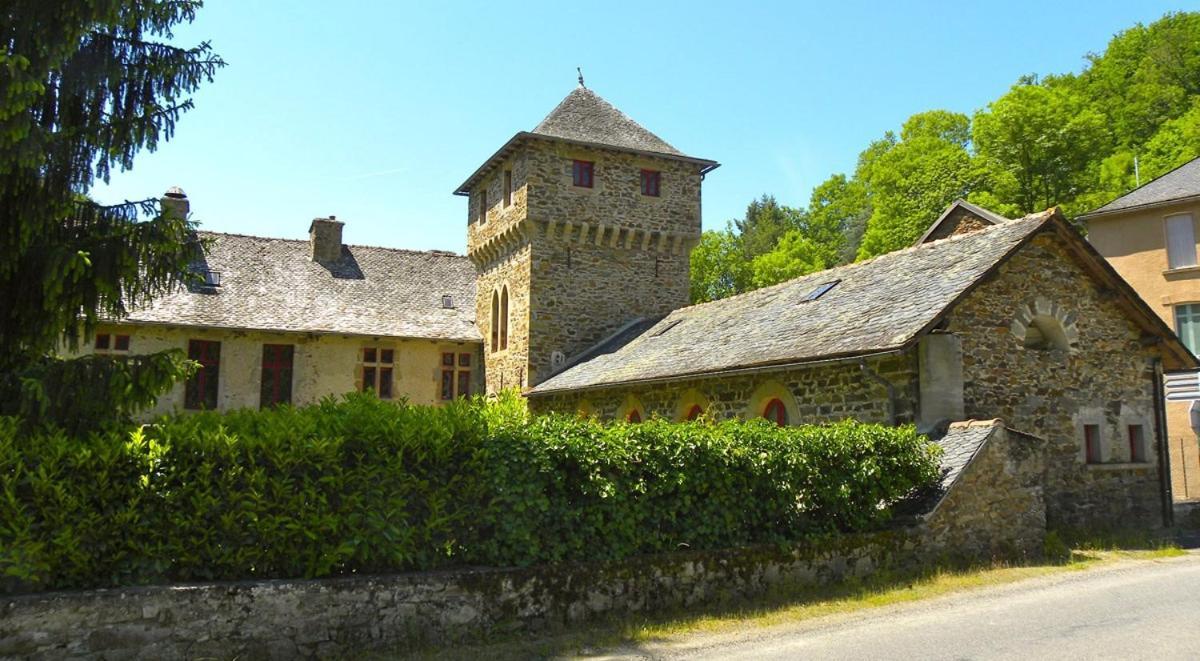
(940, 365)
(175, 203)
(325, 235)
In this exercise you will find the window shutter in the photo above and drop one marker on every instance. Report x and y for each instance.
(1181, 241)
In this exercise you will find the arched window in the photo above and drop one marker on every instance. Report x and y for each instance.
(504, 318)
(634, 416)
(694, 412)
(776, 412)
(495, 326)
(630, 410)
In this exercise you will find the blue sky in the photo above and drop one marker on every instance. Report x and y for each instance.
(375, 111)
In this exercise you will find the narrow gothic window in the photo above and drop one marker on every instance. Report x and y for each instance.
(694, 412)
(483, 205)
(650, 182)
(581, 173)
(495, 325)
(507, 188)
(776, 412)
(504, 318)
(634, 416)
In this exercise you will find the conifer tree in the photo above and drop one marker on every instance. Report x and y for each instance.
(84, 87)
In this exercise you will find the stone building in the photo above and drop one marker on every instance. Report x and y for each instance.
(1149, 236)
(285, 321)
(582, 292)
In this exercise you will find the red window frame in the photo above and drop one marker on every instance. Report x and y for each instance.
(583, 173)
(695, 412)
(200, 391)
(1091, 443)
(651, 183)
(634, 416)
(276, 387)
(776, 412)
(1137, 444)
(110, 343)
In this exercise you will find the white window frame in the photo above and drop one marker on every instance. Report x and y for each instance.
(1180, 243)
(1191, 313)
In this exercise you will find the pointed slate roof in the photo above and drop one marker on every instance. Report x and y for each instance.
(879, 305)
(1179, 184)
(958, 209)
(584, 116)
(274, 285)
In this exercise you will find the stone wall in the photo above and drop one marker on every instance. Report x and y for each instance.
(821, 393)
(963, 223)
(991, 512)
(507, 368)
(1102, 377)
(323, 365)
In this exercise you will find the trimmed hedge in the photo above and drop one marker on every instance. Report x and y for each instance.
(363, 486)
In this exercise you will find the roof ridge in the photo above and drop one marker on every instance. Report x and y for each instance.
(432, 251)
(887, 255)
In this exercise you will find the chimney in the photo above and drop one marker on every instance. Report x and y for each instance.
(940, 375)
(175, 203)
(325, 235)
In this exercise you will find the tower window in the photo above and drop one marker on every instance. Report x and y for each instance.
(507, 188)
(504, 319)
(581, 173)
(483, 205)
(495, 325)
(650, 182)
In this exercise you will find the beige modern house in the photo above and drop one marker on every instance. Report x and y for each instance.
(1149, 237)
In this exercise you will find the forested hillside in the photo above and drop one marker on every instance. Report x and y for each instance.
(1063, 139)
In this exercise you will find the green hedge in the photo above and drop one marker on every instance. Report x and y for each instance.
(362, 486)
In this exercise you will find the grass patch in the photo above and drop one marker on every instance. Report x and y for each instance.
(787, 606)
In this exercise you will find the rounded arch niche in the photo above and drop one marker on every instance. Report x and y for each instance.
(1045, 326)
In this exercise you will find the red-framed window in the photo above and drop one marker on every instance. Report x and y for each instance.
(582, 173)
(276, 385)
(377, 371)
(650, 182)
(1137, 444)
(200, 391)
(634, 415)
(1091, 443)
(776, 412)
(456, 375)
(695, 412)
(107, 343)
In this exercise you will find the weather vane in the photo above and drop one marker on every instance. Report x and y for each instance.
(580, 70)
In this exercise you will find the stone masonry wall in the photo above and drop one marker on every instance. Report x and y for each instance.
(506, 368)
(1102, 378)
(963, 224)
(993, 512)
(820, 393)
(997, 509)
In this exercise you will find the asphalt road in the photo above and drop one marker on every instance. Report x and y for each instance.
(1132, 610)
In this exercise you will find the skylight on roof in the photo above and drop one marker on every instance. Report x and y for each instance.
(820, 291)
(666, 328)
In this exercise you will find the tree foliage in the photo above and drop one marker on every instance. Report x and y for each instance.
(84, 87)
(1077, 140)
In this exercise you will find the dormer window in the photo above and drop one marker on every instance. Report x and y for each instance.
(650, 182)
(581, 173)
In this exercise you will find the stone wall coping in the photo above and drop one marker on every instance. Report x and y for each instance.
(967, 424)
(1124, 466)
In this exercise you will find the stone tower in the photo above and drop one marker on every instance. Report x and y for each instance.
(577, 229)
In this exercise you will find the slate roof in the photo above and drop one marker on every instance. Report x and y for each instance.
(877, 305)
(960, 445)
(1182, 182)
(273, 285)
(584, 116)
